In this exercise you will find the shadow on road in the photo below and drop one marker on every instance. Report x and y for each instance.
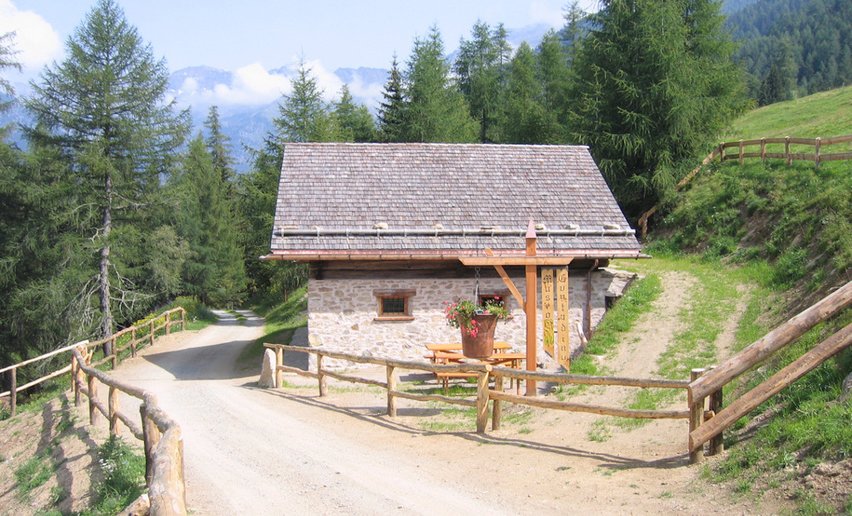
(213, 362)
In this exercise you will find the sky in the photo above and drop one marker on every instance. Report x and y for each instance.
(252, 37)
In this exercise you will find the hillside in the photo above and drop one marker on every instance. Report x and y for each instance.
(790, 229)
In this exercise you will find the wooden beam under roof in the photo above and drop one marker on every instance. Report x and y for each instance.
(482, 261)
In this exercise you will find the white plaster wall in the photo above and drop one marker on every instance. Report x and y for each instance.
(342, 312)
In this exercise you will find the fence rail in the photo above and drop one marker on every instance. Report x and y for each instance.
(160, 434)
(719, 152)
(484, 373)
(138, 335)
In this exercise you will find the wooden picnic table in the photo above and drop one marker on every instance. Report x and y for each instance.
(456, 346)
(500, 358)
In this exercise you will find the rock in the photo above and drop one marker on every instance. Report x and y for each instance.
(267, 370)
(140, 507)
(847, 388)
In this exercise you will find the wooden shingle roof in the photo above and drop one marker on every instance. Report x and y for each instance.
(444, 199)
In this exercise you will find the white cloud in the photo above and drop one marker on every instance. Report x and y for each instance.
(35, 39)
(251, 85)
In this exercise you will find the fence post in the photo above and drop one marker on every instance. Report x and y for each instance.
(816, 150)
(741, 152)
(113, 411)
(151, 436)
(13, 399)
(482, 400)
(763, 149)
(696, 417)
(497, 405)
(391, 374)
(721, 152)
(717, 444)
(323, 385)
(133, 342)
(279, 361)
(168, 323)
(74, 388)
(787, 151)
(182, 319)
(151, 332)
(114, 352)
(93, 386)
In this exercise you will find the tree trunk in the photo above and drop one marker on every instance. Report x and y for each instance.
(103, 274)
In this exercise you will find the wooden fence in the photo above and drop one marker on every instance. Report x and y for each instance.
(707, 415)
(161, 435)
(817, 156)
(130, 337)
(484, 373)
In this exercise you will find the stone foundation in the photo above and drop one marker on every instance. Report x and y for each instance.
(342, 314)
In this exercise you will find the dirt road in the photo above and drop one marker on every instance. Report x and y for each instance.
(253, 451)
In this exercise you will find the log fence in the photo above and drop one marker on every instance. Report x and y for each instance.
(817, 157)
(484, 373)
(160, 434)
(128, 338)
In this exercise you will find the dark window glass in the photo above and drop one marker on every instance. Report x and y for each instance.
(393, 305)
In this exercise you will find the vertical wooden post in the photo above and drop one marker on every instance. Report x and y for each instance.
(497, 405)
(151, 332)
(323, 384)
(133, 342)
(168, 323)
(696, 417)
(530, 308)
(787, 151)
(114, 352)
(93, 387)
(547, 311)
(741, 152)
(721, 152)
(13, 398)
(182, 319)
(151, 436)
(717, 444)
(74, 378)
(482, 401)
(113, 411)
(817, 145)
(391, 375)
(563, 310)
(763, 149)
(279, 361)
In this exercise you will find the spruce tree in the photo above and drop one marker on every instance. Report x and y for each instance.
(218, 145)
(303, 115)
(654, 86)
(435, 111)
(480, 71)
(392, 107)
(525, 118)
(354, 122)
(105, 108)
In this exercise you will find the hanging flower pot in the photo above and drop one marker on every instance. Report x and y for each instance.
(477, 323)
(478, 342)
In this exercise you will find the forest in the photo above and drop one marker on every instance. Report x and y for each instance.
(115, 208)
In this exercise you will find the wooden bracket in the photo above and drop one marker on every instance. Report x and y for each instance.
(506, 279)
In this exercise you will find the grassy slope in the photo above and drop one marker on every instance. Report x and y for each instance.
(794, 224)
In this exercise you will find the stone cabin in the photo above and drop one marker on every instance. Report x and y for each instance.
(383, 227)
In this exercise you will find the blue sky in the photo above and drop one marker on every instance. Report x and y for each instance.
(252, 37)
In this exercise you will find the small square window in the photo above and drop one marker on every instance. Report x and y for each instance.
(394, 305)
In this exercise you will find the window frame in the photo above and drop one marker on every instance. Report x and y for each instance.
(404, 294)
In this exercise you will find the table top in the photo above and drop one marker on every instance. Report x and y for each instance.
(457, 346)
(496, 357)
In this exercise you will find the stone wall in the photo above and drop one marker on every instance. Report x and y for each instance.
(342, 313)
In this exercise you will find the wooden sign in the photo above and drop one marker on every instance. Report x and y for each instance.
(547, 310)
(564, 346)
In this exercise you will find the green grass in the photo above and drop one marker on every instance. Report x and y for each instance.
(123, 477)
(823, 114)
(34, 473)
(282, 320)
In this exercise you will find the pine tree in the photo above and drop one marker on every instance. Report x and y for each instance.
(7, 60)
(303, 115)
(218, 145)
(355, 123)
(525, 117)
(654, 85)
(555, 78)
(206, 221)
(480, 71)
(104, 106)
(435, 111)
(392, 108)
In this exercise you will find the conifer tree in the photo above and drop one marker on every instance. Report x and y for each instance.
(104, 107)
(218, 145)
(392, 107)
(480, 68)
(525, 118)
(354, 122)
(303, 115)
(435, 111)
